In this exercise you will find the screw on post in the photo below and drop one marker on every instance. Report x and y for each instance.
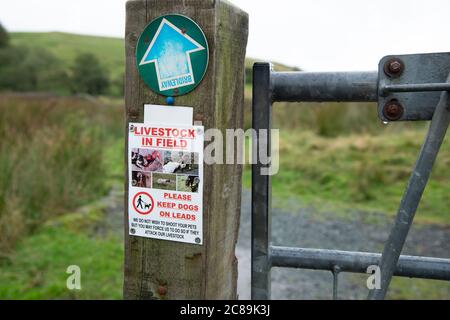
(394, 67)
(393, 110)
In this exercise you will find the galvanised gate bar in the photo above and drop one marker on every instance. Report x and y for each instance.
(407, 88)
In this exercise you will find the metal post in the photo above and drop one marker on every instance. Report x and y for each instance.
(261, 184)
(325, 86)
(413, 193)
(335, 272)
(357, 262)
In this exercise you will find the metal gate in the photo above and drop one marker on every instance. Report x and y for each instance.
(407, 88)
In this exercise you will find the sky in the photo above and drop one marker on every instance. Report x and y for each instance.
(315, 35)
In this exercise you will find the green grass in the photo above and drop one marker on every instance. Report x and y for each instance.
(359, 170)
(37, 268)
(113, 161)
(35, 262)
(402, 288)
(406, 288)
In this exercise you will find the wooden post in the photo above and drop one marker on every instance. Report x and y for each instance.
(158, 269)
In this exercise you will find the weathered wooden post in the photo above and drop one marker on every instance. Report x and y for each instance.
(163, 269)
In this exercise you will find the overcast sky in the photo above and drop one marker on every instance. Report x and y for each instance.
(316, 35)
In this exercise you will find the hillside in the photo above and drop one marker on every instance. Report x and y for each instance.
(110, 51)
(66, 47)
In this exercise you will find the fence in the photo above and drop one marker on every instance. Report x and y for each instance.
(407, 88)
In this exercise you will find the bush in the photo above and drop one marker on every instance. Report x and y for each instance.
(88, 75)
(12, 70)
(26, 69)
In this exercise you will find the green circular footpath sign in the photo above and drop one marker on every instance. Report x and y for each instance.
(172, 55)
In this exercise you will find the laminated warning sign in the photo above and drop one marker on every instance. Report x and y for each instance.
(165, 170)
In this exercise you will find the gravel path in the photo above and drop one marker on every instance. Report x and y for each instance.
(299, 226)
(303, 227)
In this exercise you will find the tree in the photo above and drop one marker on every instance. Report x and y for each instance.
(12, 71)
(45, 71)
(88, 75)
(31, 69)
(4, 37)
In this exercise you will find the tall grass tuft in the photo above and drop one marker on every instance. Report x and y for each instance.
(51, 159)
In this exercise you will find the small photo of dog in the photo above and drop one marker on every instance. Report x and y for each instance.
(164, 181)
(147, 160)
(180, 162)
(141, 179)
(187, 183)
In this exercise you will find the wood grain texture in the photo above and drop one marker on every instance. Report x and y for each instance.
(189, 271)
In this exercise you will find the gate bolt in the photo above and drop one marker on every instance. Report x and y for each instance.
(393, 110)
(394, 67)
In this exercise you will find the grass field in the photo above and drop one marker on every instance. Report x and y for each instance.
(37, 269)
(66, 154)
(359, 171)
(341, 156)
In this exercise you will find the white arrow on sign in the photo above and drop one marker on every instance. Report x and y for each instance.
(170, 50)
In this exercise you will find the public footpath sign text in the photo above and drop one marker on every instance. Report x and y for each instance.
(166, 182)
